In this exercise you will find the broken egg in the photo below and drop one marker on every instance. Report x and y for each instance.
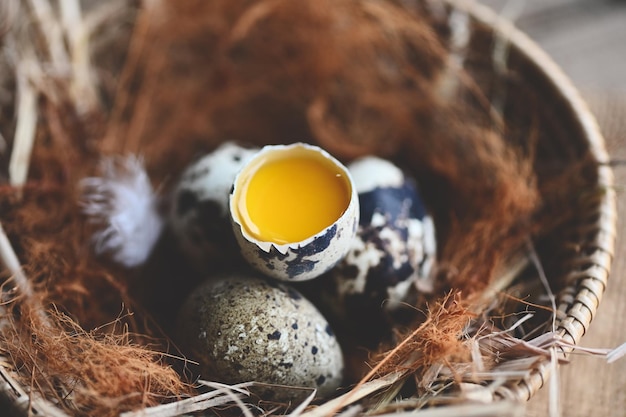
(244, 328)
(199, 216)
(294, 211)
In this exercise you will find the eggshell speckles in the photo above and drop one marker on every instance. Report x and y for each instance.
(243, 328)
(199, 217)
(311, 257)
(394, 249)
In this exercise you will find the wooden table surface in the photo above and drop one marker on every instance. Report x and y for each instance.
(587, 38)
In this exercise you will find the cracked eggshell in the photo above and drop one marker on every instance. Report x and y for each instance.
(199, 216)
(243, 328)
(306, 259)
(394, 249)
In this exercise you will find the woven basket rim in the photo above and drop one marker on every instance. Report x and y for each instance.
(577, 311)
(575, 314)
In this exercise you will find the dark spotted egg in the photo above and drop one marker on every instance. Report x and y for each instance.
(244, 328)
(394, 249)
(199, 216)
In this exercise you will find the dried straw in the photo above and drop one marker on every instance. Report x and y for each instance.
(24, 132)
(349, 73)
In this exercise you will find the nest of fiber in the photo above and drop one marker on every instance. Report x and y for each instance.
(508, 158)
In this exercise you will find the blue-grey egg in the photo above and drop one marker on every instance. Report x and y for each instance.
(242, 328)
(199, 217)
(394, 250)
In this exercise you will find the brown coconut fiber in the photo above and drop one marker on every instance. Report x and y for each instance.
(505, 152)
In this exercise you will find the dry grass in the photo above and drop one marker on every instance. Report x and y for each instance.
(87, 79)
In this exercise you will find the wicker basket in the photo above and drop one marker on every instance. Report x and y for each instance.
(585, 274)
(568, 134)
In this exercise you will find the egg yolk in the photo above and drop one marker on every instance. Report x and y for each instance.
(289, 200)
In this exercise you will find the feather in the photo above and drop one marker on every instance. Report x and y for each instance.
(124, 203)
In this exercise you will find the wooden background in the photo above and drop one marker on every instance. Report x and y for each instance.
(587, 38)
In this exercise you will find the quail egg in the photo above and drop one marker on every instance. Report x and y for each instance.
(199, 216)
(393, 252)
(244, 328)
(294, 211)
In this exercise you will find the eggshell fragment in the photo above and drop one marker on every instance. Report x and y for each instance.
(243, 328)
(305, 259)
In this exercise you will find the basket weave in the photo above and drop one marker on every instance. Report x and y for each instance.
(568, 133)
(585, 273)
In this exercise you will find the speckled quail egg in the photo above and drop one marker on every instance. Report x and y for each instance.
(199, 216)
(394, 249)
(294, 211)
(245, 328)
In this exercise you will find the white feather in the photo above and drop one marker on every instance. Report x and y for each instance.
(123, 201)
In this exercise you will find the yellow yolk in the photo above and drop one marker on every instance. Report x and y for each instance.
(289, 200)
